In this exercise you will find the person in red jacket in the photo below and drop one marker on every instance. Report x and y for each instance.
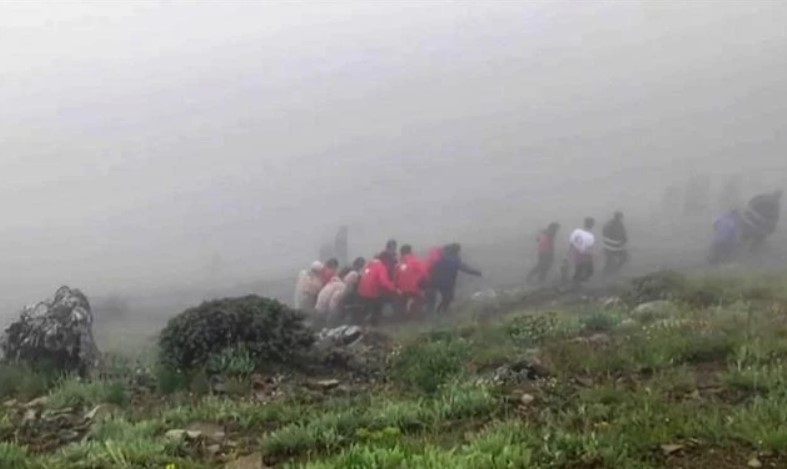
(546, 254)
(329, 270)
(374, 289)
(410, 275)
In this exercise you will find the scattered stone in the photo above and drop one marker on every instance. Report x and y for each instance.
(31, 415)
(175, 436)
(658, 309)
(327, 384)
(754, 462)
(670, 449)
(527, 399)
(58, 331)
(612, 302)
(252, 461)
(213, 433)
(102, 412)
(68, 436)
(213, 450)
(342, 335)
(38, 402)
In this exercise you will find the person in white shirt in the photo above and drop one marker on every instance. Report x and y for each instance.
(580, 247)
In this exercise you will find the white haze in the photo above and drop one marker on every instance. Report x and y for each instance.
(149, 145)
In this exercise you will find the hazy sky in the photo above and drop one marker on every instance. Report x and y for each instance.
(141, 140)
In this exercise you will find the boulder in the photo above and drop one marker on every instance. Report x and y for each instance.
(652, 310)
(56, 332)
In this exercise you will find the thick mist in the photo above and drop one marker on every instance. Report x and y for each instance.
(171, 151)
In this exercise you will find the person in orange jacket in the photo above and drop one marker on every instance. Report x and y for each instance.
(409, 279)
(374, 288)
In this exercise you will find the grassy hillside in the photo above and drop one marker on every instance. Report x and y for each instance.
(697, 381)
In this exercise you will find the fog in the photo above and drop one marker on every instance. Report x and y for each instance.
(196, 148)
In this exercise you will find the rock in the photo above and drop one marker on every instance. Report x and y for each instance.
(68, 436)
(627, 323)
(252, 461)
(670, 449)
(57, 331)
(612, 302)
(213, 450)
(10, 403)
(327, 384)
(175, 436)
(38, 402)
(754, 462)
(654, 309)
(526, 399)
(102, 412)
(193, 434)
(31, 415)
(342, 335)
(213, 433)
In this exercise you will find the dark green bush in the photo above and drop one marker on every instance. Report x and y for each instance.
(269, 331)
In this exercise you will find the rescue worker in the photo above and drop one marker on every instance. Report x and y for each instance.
(444, 274)
(329, 270)
(760, 218)
(725, 237)
(615, 244)
(349, 302)
(388, 256)
(410, 274)
(308, 286)
(329, 301)
(580, 250)
(374, 290)
(546, 253)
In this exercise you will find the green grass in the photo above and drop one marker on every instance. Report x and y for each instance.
(74, 392)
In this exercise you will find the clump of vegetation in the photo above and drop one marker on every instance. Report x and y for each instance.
(74, 392)
(528, 330)
(600, 321)
(18, 380)
(429, 362)
(265, 330)
(662, 285)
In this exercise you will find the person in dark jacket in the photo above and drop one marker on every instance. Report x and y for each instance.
(444, 274)
(615, 242)
(546, 253)
(388, 256)
(760, 218)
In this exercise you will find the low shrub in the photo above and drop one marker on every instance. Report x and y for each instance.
(267, 330)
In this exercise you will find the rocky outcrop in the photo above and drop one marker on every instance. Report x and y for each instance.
(57, 332)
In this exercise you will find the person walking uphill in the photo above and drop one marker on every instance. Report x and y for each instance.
(444, 273)
(409, 280)
(581, 244)
(308, 286)
(546, 253)
(374, 289)
(615, 244)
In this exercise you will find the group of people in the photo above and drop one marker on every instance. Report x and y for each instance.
(581, 246)
(398, 278)
(395, 278)
(737, 230)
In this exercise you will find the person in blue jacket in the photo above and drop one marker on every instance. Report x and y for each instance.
(443, 276)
